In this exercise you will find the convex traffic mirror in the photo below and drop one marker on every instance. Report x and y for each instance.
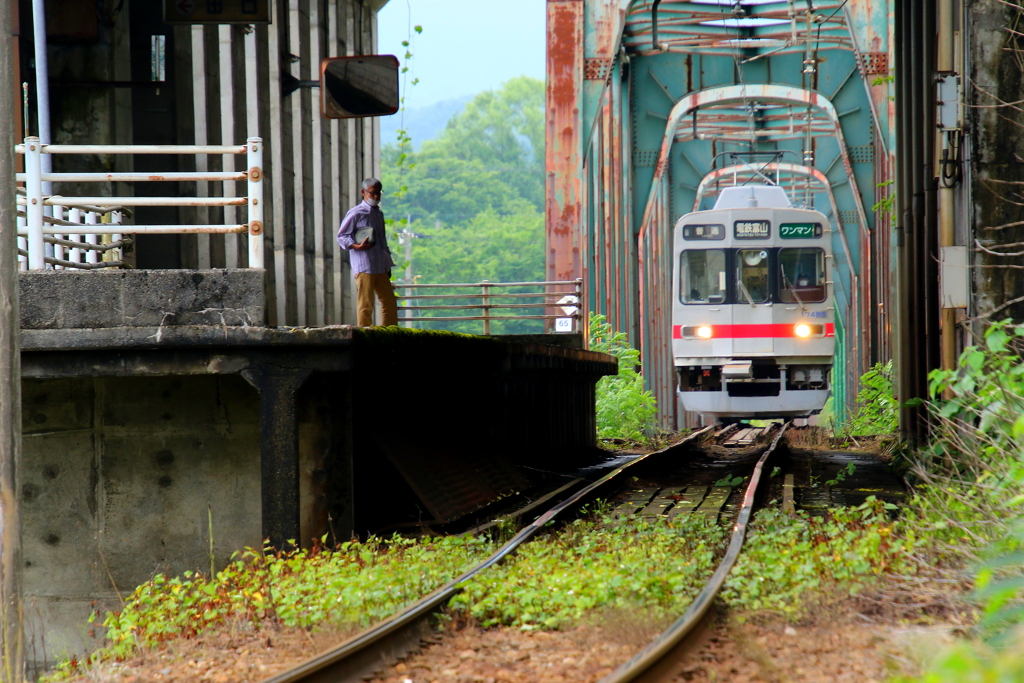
(364, 85)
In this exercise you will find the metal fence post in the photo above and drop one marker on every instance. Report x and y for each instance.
(582, 317)
(485, 305)
(255, 195)
(34, 204)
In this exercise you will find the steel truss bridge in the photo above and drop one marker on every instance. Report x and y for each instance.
(645, 96)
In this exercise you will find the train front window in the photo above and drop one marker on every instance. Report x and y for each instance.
(802, 275)
(702, 276)
(752, 276)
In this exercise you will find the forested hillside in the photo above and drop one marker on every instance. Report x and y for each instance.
(474, 195)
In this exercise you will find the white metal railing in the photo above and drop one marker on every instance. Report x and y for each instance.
(73, 230)
(566, 295)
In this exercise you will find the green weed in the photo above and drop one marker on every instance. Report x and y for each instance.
(969, 487)
(352, 586)
(625, 409)
(788, 560)
(557, 579)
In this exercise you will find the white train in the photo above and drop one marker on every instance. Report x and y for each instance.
(753, 316)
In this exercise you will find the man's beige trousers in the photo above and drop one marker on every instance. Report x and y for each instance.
(368, 284)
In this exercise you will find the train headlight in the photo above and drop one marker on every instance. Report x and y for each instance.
(802, 330)
(704, 332)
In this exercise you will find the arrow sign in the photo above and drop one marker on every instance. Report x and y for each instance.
(569, 304)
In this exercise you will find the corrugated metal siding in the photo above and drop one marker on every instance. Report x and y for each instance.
(313, 165)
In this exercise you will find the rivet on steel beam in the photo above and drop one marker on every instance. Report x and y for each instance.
(255, 148)
(32, 148)
(34, 200)
(254, 173)
(256, 228)
(255, 201)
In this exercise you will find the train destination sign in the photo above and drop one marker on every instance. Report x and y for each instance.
(217, 11)
(800, 231)
(752, 230)
(704, 232)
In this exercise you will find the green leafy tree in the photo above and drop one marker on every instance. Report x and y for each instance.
(473, 196)
(488, 156)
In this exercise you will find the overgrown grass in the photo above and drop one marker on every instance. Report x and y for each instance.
(593, 566)
(555, 580)
(788, 563)
(349, 587)
(792, 561)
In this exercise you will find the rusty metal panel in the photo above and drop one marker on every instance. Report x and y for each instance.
(562, 136)
(450, 481)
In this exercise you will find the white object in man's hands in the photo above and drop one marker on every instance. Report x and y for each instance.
(364, 234)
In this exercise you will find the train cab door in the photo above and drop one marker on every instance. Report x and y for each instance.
(753, 318)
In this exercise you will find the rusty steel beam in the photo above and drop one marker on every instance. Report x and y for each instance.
(563, 152)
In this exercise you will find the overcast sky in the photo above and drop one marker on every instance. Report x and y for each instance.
(467, 46)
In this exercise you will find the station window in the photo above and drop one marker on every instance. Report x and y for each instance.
(802, 275)
(702, 276)
(752, 276)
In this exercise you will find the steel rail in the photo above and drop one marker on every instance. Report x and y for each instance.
(644, 666)
(351, 660)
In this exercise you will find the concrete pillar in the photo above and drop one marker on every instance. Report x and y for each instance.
(279, 449)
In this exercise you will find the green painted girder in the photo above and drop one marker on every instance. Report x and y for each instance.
(630, 90)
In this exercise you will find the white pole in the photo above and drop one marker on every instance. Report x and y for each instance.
(43, 95)
(92, 256)
(255, 195)
(34, 206)
(75, 216)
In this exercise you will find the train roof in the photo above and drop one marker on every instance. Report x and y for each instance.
(747, 196)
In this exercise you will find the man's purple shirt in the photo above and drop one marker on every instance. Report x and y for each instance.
(376, 259)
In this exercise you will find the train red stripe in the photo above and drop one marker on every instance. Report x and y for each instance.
(776, 331)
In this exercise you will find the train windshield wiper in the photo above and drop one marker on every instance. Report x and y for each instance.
(743, 289)
(792, 289)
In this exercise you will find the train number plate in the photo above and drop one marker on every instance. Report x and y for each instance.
(752, 230)
(800, 231)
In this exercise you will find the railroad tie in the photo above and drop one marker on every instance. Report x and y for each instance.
(714, 501)
(635, 501)
(661, 503)
(788, 503)
(692, 498)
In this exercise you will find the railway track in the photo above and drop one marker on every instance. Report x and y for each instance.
(385, 642)
(657, 661)
(668, 489)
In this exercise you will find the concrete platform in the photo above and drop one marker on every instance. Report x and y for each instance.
(136, 436)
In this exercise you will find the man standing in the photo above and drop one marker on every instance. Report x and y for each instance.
(362, 233)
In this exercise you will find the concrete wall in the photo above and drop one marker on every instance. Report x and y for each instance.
(75, 299)
(995, 148)
(120, 478)
(117, 478)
